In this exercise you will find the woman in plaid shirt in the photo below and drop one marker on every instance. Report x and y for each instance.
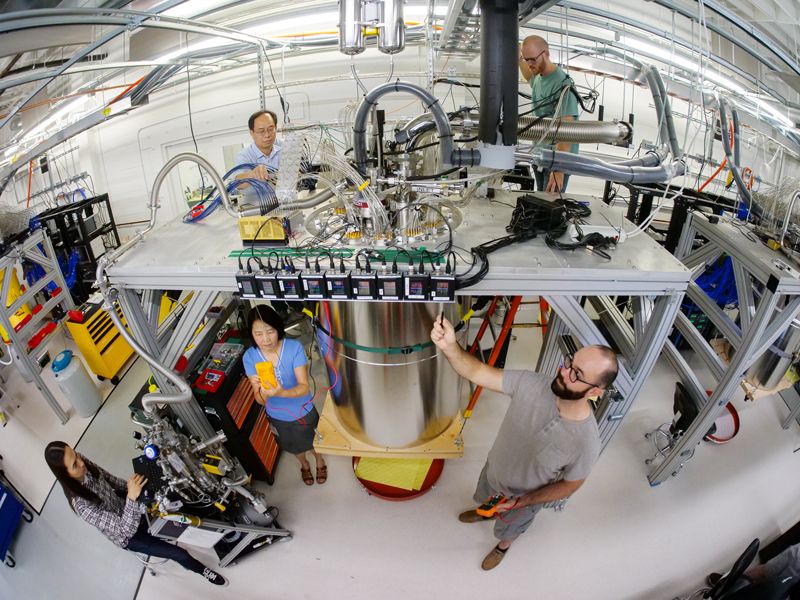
(112, 505)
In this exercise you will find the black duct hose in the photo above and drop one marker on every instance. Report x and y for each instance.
(499, 53)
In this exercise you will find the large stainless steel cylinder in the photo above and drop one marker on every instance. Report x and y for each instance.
(768, 370)
(351, 32)
(384, 397)
(392, 32)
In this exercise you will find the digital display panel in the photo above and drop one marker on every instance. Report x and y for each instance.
(314, 287)
(389, 288)
(267, 287)
(416, 287)
(246, 286)
(364, 288)
(442, 288)
(337, 287)
(290, 288)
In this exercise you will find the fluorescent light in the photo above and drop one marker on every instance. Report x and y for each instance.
(661, 53)
(292, 26)
(194, 7)
(296, 25)
(773, 112)
(62, 111)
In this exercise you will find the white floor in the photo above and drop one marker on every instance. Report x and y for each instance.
(617, 539)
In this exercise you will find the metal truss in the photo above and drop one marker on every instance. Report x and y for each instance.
(640, 345)
(769, 300)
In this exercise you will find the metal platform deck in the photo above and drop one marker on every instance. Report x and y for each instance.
(196, 256)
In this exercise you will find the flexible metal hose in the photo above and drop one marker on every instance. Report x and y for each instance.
(576, 132)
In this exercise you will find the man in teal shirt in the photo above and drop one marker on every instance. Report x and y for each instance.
(547, 84)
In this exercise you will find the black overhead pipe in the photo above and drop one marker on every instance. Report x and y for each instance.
(499, 60)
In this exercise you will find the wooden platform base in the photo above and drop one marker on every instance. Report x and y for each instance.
(333, 438)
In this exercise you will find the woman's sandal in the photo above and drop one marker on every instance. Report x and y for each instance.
(308, 479)
(322, 474)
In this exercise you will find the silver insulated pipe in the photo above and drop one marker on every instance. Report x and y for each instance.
(392, 30)
(351, 33)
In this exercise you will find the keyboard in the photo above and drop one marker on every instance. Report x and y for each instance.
(155, 478)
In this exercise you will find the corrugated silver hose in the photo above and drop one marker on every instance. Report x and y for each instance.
(184, 394)
(575, 132)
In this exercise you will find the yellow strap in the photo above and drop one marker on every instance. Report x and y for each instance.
(468, 315)
(308, 313)
(363, 185)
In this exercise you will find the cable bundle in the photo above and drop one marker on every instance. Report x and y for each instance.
(265, 195)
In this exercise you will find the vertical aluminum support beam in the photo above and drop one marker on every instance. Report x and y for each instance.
(262, 95)
(642, 311)
(580, 324)
(196, 309)
(648, 349)
(686, 240)
(137, 322)
(792, 400)
(721, 320)
(430, 70)
(777, 327)
(694, 386)
(744, 290)
(189, 413)
(151, 303)
(700, 346)
(655, 332)
(33, 367)
(614, 321)
(550, 356)
(742, 359)
(52, 269)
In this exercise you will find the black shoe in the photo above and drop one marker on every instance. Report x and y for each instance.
(713, 579)
(214, 577)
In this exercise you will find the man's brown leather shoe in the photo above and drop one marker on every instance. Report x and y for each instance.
(494, 558)
(470, 516)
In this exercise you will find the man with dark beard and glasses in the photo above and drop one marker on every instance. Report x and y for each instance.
(548, 441)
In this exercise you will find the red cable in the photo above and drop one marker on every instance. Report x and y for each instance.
(724, 161)
(30, 178)
(125, 91)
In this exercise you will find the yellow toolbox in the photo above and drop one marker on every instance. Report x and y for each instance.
(99, 340)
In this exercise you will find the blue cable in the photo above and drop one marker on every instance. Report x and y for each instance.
(263, 190)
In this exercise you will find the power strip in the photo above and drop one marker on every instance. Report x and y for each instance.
(605, 230)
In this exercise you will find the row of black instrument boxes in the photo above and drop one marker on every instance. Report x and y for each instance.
(355, 285)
